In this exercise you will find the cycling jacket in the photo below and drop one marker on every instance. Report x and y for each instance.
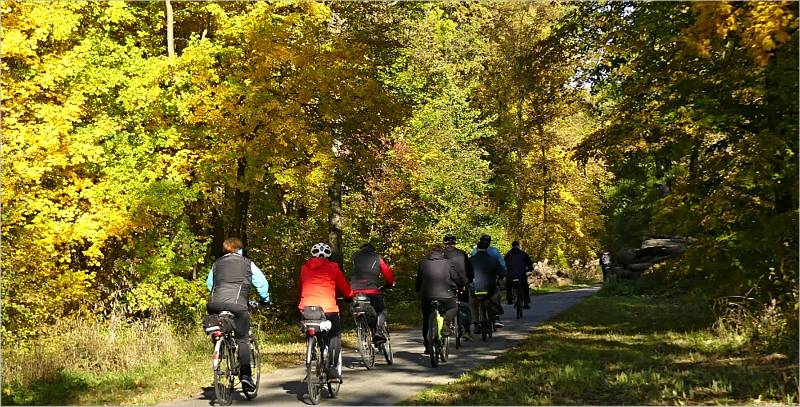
(487, 270)
(518, 263)
(231, 277)
(437, 277)
(494, 253)
(364, 273)
(460, 261)
(320, 280)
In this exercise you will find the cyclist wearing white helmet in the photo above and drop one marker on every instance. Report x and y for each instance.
(320, 280)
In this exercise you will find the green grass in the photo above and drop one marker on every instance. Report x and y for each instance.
(627, 350)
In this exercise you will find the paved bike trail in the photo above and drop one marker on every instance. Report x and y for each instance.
(411, 371)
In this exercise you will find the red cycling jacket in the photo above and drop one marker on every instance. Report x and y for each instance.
(320, 280)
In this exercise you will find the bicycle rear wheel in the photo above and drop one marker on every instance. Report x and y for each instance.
(365, 347)
(433, 338)
(223, 374)
(482, 321)
(313, 370)
(457, 331)
(333, 388)
(518, 300)
(255, 368)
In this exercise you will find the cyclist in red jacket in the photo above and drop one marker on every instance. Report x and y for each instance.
(320, 280)
(367, 265)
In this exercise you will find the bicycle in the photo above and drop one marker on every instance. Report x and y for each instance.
(517, 288)
(316, 327)
(360, 308)
(225, 358)
(484, 323)
(440, 344)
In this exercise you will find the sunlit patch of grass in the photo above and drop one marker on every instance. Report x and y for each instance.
(623, 351)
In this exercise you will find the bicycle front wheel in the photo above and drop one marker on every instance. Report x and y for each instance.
(365, 347)
(445, 348)
(387, 347)
(255, 368)
(224, 375)
(313, 370)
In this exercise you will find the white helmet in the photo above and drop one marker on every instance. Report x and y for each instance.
(321, 250)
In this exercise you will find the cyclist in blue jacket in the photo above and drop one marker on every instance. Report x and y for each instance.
(229, 282)
(486, 241)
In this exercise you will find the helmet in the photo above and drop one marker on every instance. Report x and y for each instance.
(449, 239)
(321, 250)
(486, 238)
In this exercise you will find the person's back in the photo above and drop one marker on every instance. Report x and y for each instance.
(460, 261)
(486, 269)
(437, 277)
(517, 262)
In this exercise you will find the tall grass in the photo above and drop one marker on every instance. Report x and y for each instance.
(77, 359)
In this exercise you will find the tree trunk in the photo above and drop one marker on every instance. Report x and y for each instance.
(335, 218)
(170, 33)
(241, 204)
(520, 170)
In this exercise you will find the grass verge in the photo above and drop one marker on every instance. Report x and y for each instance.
(627, 350)
(116, 362)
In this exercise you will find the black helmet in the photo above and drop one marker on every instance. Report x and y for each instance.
(486, 238)
(449, 239)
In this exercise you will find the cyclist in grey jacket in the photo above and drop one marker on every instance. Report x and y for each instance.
(229, 282)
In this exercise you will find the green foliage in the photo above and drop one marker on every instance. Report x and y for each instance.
(699, 129)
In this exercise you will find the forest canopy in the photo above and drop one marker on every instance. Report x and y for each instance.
(133, 143)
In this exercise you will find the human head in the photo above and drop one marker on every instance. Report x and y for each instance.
(232, 245)
(321, 250)
(449, 240)
(515, 244)
(368, 246)
(483, 244)
(486, 238)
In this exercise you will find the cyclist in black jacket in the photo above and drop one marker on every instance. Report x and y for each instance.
(463, 266)
(519, 264)
(437, 279)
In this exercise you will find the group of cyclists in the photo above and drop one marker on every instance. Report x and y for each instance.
(447, 275)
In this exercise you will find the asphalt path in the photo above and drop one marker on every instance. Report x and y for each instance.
(411, 371)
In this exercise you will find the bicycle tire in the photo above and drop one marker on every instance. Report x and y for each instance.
(223, 376)
(387, 346)
(255, 368)
(313, 370)
(457, 330)
(445, 348)
(482, 321)
(365, 347)
(333, 388)
(433, 338)
(518, 300)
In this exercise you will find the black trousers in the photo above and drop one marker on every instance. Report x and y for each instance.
(526, 299)
(241, 327)
(450, 307)
(334, 337)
